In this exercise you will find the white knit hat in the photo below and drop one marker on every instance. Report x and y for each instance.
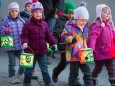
(13, 5)
(36, 6)
(81, 13)
(99, 9)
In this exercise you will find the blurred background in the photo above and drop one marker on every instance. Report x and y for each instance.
(91, 6)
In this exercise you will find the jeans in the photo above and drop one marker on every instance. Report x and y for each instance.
(74, 69)
(50, 22)
(12, 62)
(110, 65)
(42, 61)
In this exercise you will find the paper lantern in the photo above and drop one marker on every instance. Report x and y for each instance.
(26, 60)
(49, 49)
(7, 41)
(86, 55)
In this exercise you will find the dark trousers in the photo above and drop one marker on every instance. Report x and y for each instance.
(61, 66)
(74, 69)
(109, 64)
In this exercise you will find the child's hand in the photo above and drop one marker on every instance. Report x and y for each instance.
(25, 45)
(74, 40)
(7, 31)
(53, 48)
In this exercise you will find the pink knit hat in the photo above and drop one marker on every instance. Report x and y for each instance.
(13, 5)
(99, 9)
(28, 3)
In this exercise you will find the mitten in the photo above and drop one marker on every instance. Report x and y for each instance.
(74, 40)
(7, 31)
(25, 45)
(60, 13)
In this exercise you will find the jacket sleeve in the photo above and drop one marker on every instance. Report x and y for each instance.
(3, 26)
(49, 38)
(59, 26)
(66, 35)
(25, 34)
(94, 33)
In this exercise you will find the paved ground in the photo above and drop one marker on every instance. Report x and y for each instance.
(63, 77)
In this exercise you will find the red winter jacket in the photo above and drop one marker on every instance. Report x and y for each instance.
(35, 33)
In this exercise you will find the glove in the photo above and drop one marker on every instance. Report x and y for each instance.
(60, 13)
(7, 31)
(74, 40)
(25, 45)
(53, 48)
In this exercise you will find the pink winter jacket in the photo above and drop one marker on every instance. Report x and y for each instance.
(101, 40)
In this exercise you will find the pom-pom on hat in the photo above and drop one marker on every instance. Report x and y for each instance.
(83, 4)
(69, 7)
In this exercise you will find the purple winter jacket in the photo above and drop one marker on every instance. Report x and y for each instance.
(35, 33)
(101, 40)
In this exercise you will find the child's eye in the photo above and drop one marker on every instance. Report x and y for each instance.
(105, 12)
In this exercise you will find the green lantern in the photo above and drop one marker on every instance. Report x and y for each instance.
(49, 49)
(86, 55)
(7, 41)
(26, 60)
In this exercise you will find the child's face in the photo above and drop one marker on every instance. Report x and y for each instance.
(14, 13)
(28, 8)
(105, 14)
(70, 15)
(37, 14)
(81, 22)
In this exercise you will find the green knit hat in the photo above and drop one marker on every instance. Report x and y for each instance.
(69, 7)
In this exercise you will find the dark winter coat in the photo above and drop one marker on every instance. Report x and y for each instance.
(51, 6)
(25, 15)
(59, 26)
(35, 33)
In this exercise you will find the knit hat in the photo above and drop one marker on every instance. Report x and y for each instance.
(69, 7)
(37, 6)
(13, 5)
(28, 3)
(99, 9)
(81, 13)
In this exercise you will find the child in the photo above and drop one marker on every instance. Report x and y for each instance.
(35, 34)
(12, 25)
(69, 7)
(75, 35)
(27, 11)
(101, 41)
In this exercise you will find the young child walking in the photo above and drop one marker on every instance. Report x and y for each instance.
(101, 41)
(75, 35)
(34, 35)
(12, 25)
(69, 8)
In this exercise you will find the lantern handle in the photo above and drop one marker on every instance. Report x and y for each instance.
(31, 49)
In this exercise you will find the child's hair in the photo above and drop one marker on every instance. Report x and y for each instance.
(97, 19)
